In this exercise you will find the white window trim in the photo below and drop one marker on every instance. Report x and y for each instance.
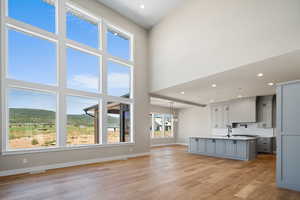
(163, 127)
(60, 88)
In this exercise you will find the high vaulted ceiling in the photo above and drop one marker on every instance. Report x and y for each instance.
(151, 14)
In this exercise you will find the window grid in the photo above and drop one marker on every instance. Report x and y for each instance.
(60, 89)
(163, 135)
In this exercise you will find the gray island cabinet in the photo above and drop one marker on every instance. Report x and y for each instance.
(238, 148)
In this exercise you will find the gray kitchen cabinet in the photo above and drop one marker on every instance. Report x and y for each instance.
(241, 148)
(220, 147)
(210, 146)
(288, 135)
(230, 147)
(265, 145)
(193, 145)
(224, 148)
(243, 110)
(265, 111)
(201, 145)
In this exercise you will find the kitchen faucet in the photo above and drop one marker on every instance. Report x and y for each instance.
(229, 130)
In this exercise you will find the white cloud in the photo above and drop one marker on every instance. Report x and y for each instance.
(88, 81)
(118, 80)
(84, 81)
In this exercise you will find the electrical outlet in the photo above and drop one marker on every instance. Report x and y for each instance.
(25, 161)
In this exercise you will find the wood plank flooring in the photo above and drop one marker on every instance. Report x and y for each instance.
(169, 173)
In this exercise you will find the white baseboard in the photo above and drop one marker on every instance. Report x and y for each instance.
(68, 164)
(160, 145)
(184, 144)
(168, 144)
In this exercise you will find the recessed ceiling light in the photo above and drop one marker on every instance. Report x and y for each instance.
(260, 75)
(142, 6)
(240, 96)
(212, 100)
(270, 84)
(182, 92)
(214, 85)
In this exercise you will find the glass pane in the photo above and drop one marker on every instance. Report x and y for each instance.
(118, 122)
(168, 126)
(31, 58)
(82, 121)
(39, 13)
(83, 71)
(118, 45)
(158, 125)
(32, 119)
(118, 82)
(151, 126)
(81, 29)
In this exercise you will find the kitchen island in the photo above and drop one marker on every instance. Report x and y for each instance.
(234, 147)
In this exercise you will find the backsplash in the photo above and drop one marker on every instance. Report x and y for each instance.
(252, 129)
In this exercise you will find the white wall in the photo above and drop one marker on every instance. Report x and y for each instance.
(162, 141)
(204, 37)
(193, 122)
(141, 108)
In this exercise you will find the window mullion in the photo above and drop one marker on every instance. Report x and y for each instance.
(104, 61)
(103, 86)
(153, 126)
(104, 121)
(62, 73)
(164, 124)
(3, 45)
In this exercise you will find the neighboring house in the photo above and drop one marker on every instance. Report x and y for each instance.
(118, 118)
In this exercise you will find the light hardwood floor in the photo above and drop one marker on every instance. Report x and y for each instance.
(169, 173)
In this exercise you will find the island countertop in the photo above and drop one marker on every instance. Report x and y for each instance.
(225, 137)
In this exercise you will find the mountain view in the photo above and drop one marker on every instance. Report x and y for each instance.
(29, 128)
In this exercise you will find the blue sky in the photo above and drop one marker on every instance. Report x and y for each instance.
(34, 100)
(33, 59)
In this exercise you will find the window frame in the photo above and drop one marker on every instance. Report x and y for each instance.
(129, 36)
(152, 136)
(131, 83)
(131, 136)
(99, 121)
(60, 89)
(98, 20)
(57, 122)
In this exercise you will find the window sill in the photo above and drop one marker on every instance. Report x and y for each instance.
(67, 148)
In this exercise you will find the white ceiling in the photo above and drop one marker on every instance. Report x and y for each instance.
(153, 12)
(166, 103)
(239, 81)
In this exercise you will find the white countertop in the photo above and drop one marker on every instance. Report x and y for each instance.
(225, 137)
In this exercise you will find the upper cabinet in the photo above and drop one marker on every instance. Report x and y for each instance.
(265, 111)
(243, 110)
(217, 116)
(258, 110)
(220, 115)
(235, 111)
(226, 115)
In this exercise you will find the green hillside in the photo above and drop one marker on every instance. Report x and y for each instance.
(22, 115)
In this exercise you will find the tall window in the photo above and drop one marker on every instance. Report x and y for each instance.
(68, 77)
(162, 125)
